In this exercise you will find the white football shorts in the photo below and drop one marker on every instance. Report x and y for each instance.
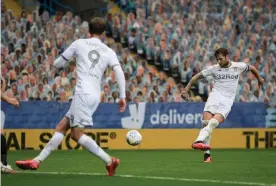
(81, 110)
(218, 104)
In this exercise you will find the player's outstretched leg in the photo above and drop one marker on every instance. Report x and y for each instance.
(55, 141)
(34, 163)
(112, 163)
(204, 133)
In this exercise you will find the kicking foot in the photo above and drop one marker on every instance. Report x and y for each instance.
(112, 167)
(28, 164)
(200, 146)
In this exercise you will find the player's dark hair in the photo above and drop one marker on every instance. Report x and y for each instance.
(222, 51)
(97, 26)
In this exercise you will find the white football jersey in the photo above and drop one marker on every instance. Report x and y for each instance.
(93, 57)
(226, 79)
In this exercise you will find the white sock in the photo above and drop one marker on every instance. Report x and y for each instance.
(207, 131)
(203, 134)
(92, 146)
(208, 139)
(51, 145)
(207, 142)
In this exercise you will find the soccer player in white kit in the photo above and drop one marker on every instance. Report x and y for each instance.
(93, 57)
(5, 168)
(226, 76)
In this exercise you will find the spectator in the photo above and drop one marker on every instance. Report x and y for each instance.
(62, 96)
(132, 40)
(64, 79)
(50, 96)
(68, 92)
(115, 96)
(23, 96)
(171, 39)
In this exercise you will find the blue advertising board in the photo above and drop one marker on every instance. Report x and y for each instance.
(46, 115)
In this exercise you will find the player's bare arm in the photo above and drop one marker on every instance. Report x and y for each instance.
(257, 75)
(121, 82)
(194, 79)
(7, 99)
(3, 85)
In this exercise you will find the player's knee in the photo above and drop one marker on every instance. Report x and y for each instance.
(205, 123)
(63, 126)
(76, 134)
(2, 132)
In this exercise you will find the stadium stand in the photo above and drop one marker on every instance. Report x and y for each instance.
(161, 44)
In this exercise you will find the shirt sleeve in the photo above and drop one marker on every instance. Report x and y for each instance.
(207, 71)
(243, 67)
(113, 60)
(70, 51)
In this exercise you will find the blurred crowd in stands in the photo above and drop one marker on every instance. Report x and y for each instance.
(160, 44)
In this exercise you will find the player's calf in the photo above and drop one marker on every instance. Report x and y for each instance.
(78, 135)
(204, 134)
(92, 147)
(50, 146)
(4, 150)
(55, 141)
(206, 131)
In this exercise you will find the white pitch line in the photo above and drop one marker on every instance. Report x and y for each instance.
(152, 177)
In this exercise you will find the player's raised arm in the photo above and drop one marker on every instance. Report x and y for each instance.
(120, 77)
(194, 79)
(256, 74)
(66, 55)
(204, 73)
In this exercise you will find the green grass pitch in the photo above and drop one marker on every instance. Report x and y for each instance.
(148, 167)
